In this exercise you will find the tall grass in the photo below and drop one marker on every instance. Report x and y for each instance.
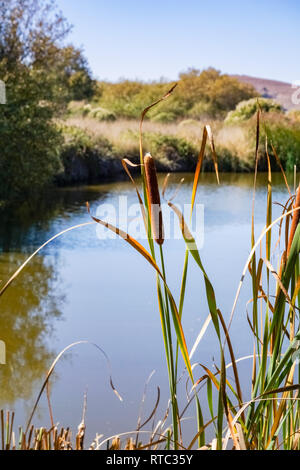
(270, 418)
(258, 423)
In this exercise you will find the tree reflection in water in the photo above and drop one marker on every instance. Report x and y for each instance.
(27, 311)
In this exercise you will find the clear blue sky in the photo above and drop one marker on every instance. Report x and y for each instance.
(159, 38)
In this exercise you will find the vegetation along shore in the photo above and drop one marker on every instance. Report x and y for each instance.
(61, 126)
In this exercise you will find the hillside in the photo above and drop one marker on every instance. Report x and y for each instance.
(280, 91)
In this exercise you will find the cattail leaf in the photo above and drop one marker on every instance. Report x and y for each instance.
(269, 205)
(145, 111)
(125, 163)
(274, 273)
(281, 168)
(51, 369)
(18, 271)
(295, 221)
(192, 248)
(176, 320)
(132, 241)
(206, 133)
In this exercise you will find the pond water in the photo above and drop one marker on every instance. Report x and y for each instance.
(84, 287)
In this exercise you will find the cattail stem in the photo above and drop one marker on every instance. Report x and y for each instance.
(154, 199)
(295, 221)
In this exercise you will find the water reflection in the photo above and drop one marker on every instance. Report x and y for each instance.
(27, 225)
(92, 271)
(27, 310)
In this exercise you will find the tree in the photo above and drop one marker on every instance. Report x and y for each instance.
(41, 74)
(211, 93)
(79, 82)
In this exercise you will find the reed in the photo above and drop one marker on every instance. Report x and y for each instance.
(258, 423)
(295, 221)
(269, 418)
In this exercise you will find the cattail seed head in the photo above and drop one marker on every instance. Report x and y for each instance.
(154, 199)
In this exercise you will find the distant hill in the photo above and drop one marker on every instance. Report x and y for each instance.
(279, 91)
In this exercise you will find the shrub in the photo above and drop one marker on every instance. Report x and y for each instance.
(227, 161)
(30, 147)
(188, 123)
(164, 116)
(172, 153)
(217, 93)
(123, 98)
(80, 108)
(286, 140)
(76, 108)
(201, 110)
(102, 114)
(76, 138)
(203, 93)
(85, 110)
(246, 109)
(294, 115)
(86, 158)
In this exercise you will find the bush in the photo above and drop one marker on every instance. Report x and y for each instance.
(216, 93)
(102, 114)
(246, 109)
(79, 108)
(30, 148)
(171, 153)
(126, 99)
(286, 140)
(86, 159)
(227, 161)
(164, 117)
(294, 115)
(85, 110)
(202, 110)
(188, 123)
(199, 93)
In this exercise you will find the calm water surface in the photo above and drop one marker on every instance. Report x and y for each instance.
(83, 288)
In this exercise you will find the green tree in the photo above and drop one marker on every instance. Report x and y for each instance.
(199, 94)
(209, 93)
(74, 69)
(41, 74)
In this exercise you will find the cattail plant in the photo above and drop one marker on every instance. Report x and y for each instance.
(271, 418)
(154, 199)
(295, 220)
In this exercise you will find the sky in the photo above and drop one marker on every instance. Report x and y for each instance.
(154, 39)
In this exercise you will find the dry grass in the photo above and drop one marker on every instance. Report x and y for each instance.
(113, 130)
(122, 134)
(117, 131)
(236, 140)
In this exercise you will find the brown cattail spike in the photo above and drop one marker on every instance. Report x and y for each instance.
(154, 199)
(295, 220)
